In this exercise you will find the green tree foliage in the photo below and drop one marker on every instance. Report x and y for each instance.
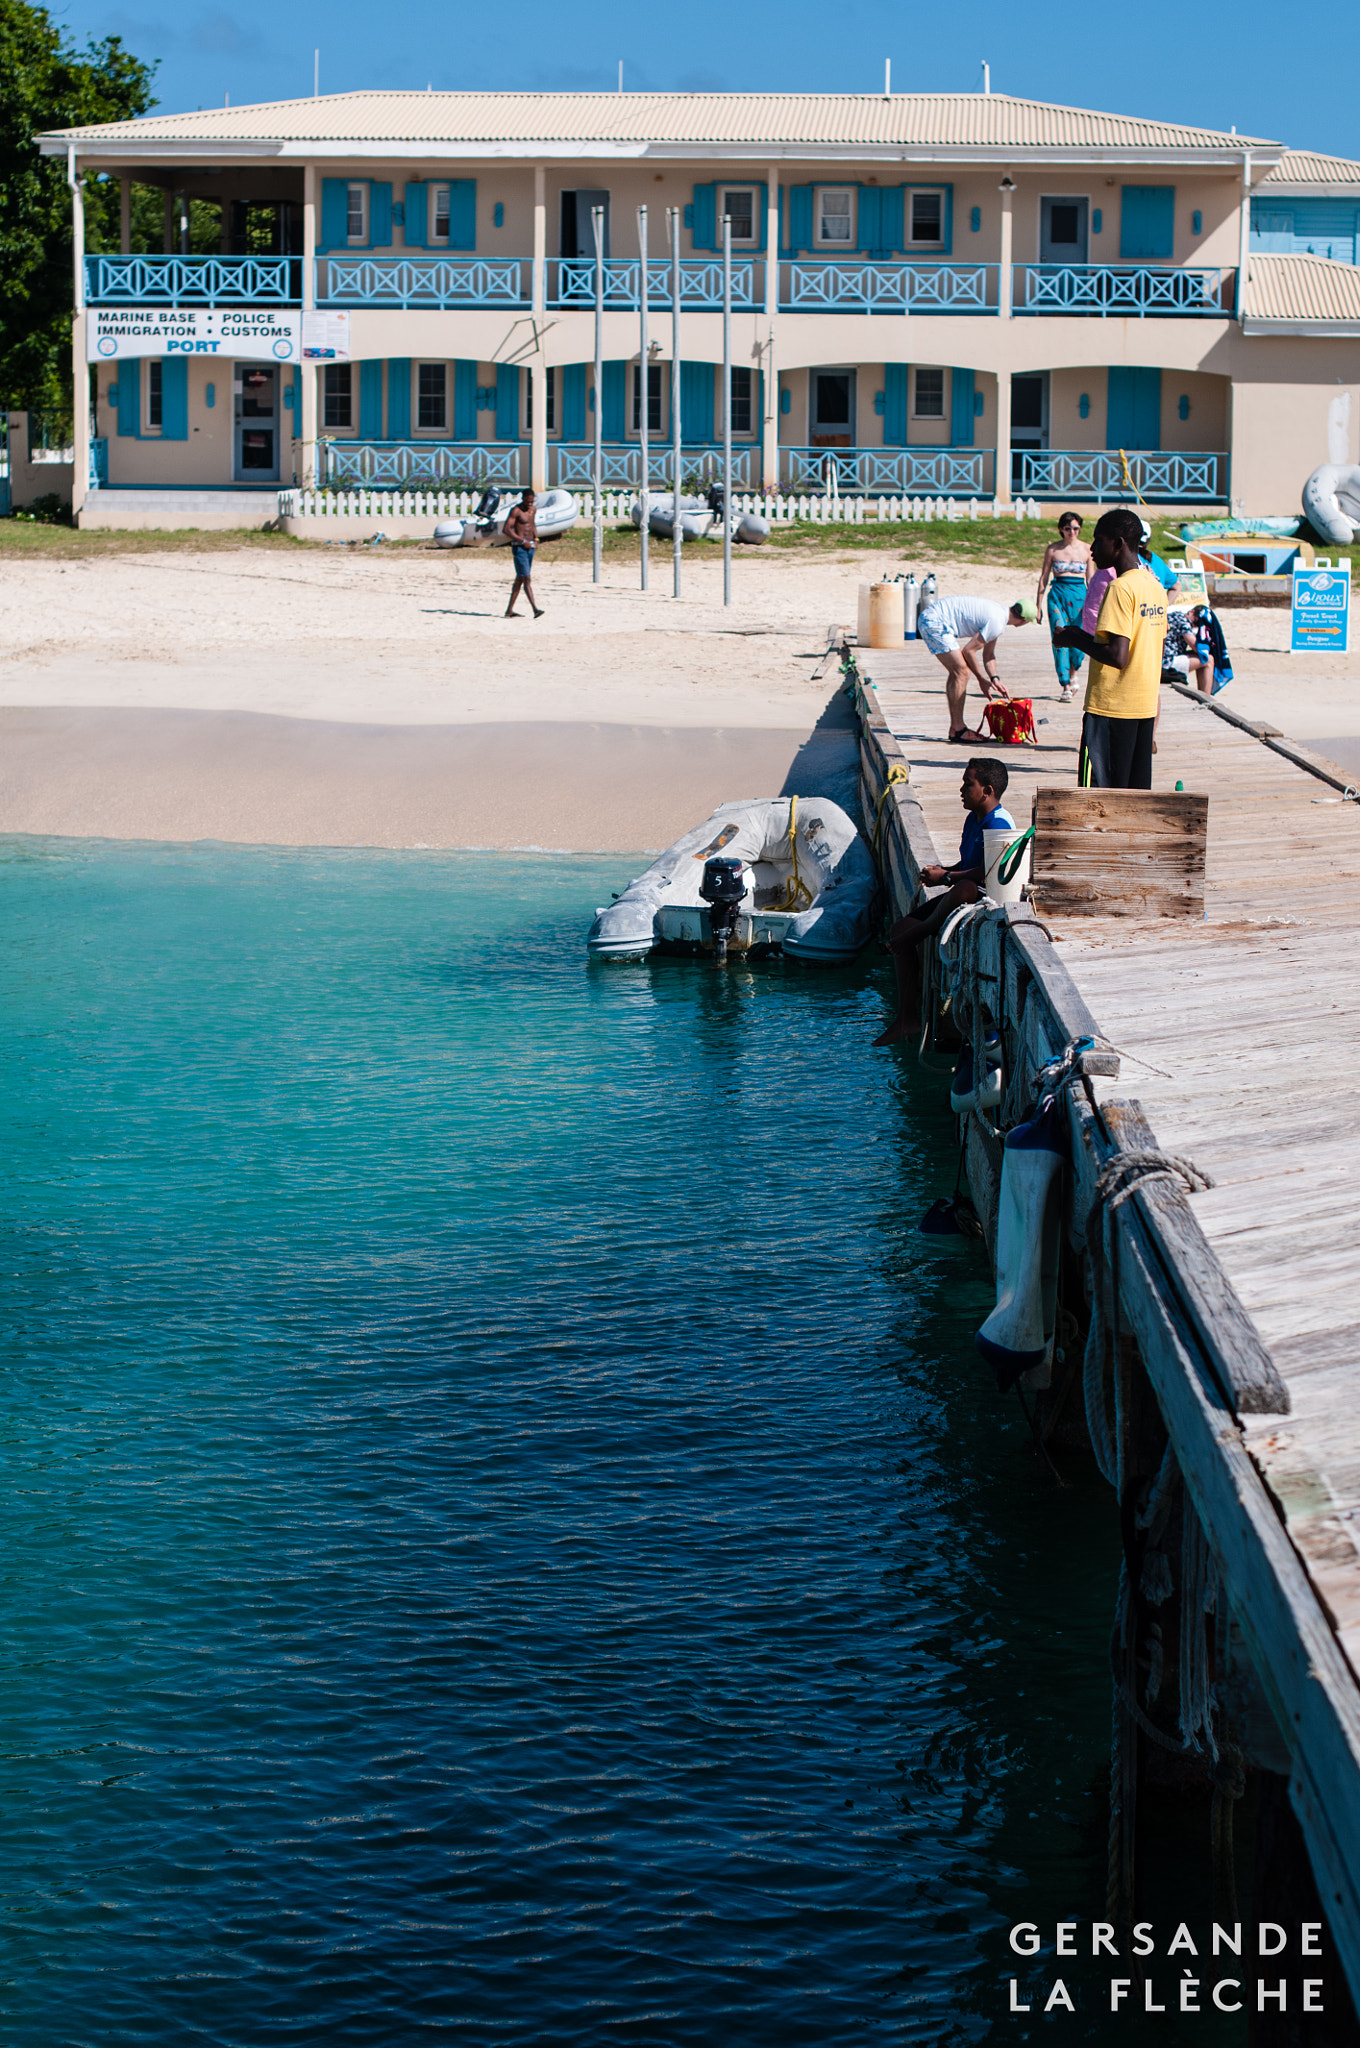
(45, 83)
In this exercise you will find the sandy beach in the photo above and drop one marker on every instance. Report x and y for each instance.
(368, 697)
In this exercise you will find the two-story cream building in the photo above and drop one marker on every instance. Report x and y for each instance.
(963, 294)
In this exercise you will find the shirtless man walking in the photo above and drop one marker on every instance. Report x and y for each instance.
(522, 534)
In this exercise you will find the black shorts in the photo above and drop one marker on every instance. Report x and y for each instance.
(1116, 753)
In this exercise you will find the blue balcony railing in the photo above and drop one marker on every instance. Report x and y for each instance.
(955, 472)
(433, 281)
(571, 282)
(1126, 288)
(848, 287)
(416, 465)
(193, 280)
(1099, 474)
(572, 464)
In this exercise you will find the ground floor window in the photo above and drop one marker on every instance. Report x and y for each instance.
(929, 395)
(338, 402)
(742, 379)
(155, 386)
(653, 398)
(431, 402)
(550, 380)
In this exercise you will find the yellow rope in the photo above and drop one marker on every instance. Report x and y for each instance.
(797, 895)
(1128, 478)
(899, 772)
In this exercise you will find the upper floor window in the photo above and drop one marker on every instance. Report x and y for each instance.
(439, 215)
(431, 409)
(739, 203)
(338, 402)
(926, 230)
(836, 216)
(356, 214)
(929, 394)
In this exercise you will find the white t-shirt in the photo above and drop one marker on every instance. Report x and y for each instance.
(961, 617)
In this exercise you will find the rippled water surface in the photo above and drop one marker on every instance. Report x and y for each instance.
(505, 1534)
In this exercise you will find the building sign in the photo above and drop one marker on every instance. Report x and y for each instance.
(325, 337)
(1322, 610)
(248, 333)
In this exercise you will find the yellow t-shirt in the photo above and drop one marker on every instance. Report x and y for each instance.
(1133, 609)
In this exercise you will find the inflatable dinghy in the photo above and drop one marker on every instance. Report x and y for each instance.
(555, 512)
(697, 519)
(808, 887)
(1331, 499)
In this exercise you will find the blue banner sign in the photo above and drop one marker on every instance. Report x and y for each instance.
(1321, 620)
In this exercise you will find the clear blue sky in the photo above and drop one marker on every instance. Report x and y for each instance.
(1265, 68)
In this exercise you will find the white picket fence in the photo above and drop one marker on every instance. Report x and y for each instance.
(778, 507)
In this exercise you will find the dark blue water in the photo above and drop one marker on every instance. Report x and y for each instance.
(505, 1534)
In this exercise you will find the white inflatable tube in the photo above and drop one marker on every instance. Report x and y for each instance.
(1331, 499)
(1017, 1336)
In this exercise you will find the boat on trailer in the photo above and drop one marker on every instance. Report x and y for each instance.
(765, 875)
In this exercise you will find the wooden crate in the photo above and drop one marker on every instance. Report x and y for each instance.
(1118, 852)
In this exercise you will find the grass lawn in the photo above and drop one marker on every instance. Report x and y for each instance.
(919, 544)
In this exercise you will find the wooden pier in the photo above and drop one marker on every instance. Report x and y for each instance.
(1237, 1030)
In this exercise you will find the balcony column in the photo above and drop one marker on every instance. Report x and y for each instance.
(538, 376)
(1243, 238)
(1003, 437)
(125, 215)
(769, 426)
(168, 231)
(80, 369)
(306, 467)
(1005, 283)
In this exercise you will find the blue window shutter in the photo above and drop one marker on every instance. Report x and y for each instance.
(463, 213)
(370, 398)
(869, 214)
(1133, 417)
(334, 210)
(800, 217)
(1147, 222)
(615, 381)
(464, 400)
(961, 409)
(696, 401)
(895, 377)
(129, 399)
(763, 202)
(948, 220)
(892, 219)
(417, 216)
(705, 217)
(574, 402)
(175, 399)
(399, 398)
(379, 215)
(507, 401)
(758, 416)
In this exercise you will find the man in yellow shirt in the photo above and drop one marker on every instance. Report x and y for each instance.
(1126, 661)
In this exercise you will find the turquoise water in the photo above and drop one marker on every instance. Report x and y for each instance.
(506, 1535)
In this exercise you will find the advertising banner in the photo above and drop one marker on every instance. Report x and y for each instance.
(1321, 618)
(271, 334)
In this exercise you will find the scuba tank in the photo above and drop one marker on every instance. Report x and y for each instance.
(911, 598)
(929, 589)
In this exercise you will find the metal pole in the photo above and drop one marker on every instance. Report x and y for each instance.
(677, 538)
(644, 386)
(597, 216)
(727, 408)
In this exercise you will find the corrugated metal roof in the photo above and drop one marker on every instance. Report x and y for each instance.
(1302, 288)
(1302, 167)
(985, 121)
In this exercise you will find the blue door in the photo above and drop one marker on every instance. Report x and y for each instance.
(1133, 416)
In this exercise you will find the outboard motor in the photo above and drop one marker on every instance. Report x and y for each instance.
(722, 889)
(488, 508)
(717, 501)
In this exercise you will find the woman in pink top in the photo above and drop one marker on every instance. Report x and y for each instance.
(1095, 597)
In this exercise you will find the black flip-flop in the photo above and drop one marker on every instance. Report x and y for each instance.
(964, 738)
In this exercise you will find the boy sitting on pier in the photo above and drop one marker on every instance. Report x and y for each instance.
(984, 785)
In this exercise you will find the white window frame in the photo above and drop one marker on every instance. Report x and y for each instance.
(359, 185)
(430, 363)
(740, 241)
(915, 192)
(329, 425)
(153, 429)
(747, 433)
(934, 370)
(838, 243)
(662, 371)
(438, 241)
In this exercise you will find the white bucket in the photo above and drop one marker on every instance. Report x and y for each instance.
(995, 843)
(886, 627)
